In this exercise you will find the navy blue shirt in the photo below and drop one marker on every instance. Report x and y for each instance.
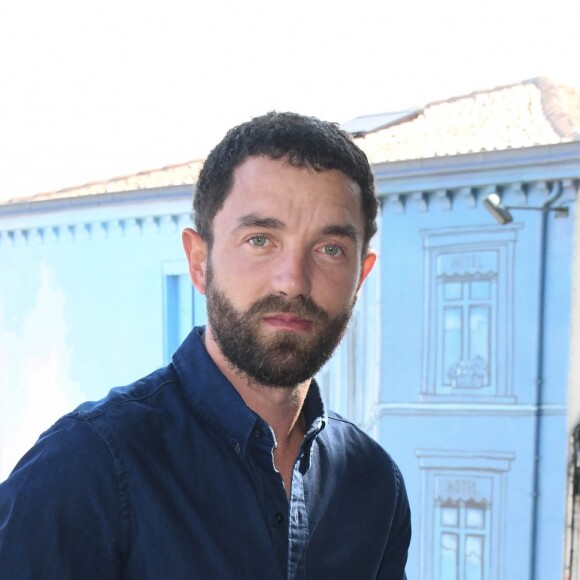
(173, 477)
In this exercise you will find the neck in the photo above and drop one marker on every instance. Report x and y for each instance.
(280, 407)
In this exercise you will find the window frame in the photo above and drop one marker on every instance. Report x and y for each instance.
(439, 245)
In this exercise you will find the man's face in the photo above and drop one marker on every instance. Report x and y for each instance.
(285, 358)
(284, 269)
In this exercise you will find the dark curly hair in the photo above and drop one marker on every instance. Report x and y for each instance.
(302, 142)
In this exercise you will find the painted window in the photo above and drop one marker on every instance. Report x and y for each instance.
(462, 514)
(461, 527)
(462, 540)
(466, 308)
(468, 315)
(184, 308)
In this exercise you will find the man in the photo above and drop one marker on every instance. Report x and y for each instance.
(225, 464)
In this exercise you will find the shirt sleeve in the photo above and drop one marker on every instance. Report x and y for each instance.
(62, 514)
(395, 555)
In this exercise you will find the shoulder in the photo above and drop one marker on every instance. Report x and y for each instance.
(69, 461)
(133, 409)
(82, 452)
(367, 479)
(73, 487)
(69, 490)
(136, 396)
(345, 447)
(137, 419)
(350, 438)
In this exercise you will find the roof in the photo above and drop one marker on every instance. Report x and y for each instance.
(534, 112)
(181, 174)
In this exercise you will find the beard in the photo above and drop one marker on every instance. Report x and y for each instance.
(284, 359)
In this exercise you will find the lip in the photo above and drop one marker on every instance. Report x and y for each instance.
(289, 322)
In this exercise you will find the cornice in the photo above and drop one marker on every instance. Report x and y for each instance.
(58, 204)
(94, 230)
(446, 199)
(478, 170)
(519, 176)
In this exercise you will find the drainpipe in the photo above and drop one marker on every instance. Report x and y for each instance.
(557, 191)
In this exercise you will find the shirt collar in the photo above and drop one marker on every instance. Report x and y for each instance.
(219, 402)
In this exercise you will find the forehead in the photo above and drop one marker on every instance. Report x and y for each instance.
(273, 185)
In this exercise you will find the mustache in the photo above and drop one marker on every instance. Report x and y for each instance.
(302, 306)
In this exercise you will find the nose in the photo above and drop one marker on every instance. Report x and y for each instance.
(292, 275)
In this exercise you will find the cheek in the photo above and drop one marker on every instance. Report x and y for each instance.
(241, 283)
(335, 292)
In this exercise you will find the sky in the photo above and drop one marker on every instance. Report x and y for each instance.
(94, 90)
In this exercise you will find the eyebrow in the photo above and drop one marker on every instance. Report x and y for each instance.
(253, 220)
(342, 231)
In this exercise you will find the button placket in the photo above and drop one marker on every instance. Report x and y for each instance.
(261, 445)
(298, 530)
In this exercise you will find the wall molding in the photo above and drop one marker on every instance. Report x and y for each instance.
(477, 170)
(519, 193)
(67, 232)
(466, 409)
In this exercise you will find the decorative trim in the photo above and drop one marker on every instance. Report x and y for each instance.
(443, 199)
(98, 230)
(539, 190)
(460, 459)
(542, 163)
(420, 200)
(395, 203)
(463, 409)
(467, 194)
(516, 193)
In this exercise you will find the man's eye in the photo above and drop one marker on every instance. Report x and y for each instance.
(259, 241)
(331, 250)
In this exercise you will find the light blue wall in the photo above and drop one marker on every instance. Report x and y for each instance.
(467, 441)
(82, 306)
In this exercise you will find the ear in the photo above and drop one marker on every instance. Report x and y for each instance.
(196, 252)
(367, 265)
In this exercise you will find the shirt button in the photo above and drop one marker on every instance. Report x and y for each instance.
(237, 448)
(278, 517)
(258, 432)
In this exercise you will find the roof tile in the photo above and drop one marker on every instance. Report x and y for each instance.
(535, 112)
(182, 174)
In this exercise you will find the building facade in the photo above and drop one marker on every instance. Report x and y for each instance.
(460, 355)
